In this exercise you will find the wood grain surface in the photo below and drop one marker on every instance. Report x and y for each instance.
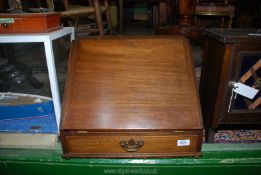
(131, 83)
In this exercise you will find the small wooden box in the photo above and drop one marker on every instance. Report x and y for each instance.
(29, 22)
(131, 97)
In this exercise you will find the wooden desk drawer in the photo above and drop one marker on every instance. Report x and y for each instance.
(131, 144)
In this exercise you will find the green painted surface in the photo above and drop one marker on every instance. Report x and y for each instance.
(216, 159)
(45, 168)
(3, 168)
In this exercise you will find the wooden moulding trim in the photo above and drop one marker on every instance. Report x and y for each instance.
(231, 15)
(138, 132)
(191, 71)
(222, 84)
(127, 155)
(67, 98)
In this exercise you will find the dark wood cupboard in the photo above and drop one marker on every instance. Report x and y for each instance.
(230, 56)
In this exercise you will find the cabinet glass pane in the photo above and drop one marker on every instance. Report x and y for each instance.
(249, 73)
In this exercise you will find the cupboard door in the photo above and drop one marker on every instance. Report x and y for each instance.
(246, 69)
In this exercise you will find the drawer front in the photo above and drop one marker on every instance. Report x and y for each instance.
(149, 145)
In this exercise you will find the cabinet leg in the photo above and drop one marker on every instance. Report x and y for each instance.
(210, 135)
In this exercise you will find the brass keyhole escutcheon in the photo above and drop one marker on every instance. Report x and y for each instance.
(5, 25)
(131, 145)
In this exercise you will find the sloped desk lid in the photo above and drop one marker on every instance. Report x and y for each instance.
(141, 83)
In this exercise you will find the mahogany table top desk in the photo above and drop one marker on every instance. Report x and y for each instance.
(131, 97)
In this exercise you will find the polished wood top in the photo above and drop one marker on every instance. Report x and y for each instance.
(141, 83)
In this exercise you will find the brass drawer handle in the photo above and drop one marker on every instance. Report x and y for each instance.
(131, 145)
